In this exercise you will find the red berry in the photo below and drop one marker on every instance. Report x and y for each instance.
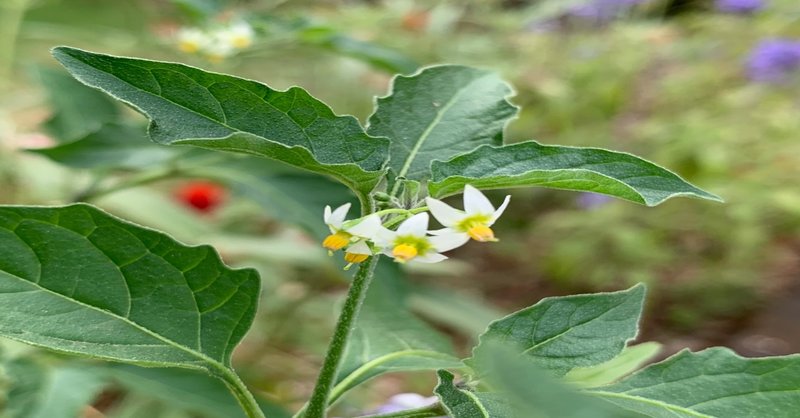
(204, 196)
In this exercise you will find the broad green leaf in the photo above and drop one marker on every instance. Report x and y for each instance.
(77, 280)
(77, 110)
(532, 393)
(571, 168)
(463, 403)
(631, 359)
(561, 333)
(187, 390)
(112, 146)
(50, 391)
(190, 106)
(388, 338)
(438, 113)
(711, 383)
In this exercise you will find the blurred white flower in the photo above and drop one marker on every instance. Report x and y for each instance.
(192, 40)
(410, 241)
(404, 401)
(237, 36)
(473, 222)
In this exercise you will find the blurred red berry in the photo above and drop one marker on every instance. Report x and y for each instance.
(203, 196)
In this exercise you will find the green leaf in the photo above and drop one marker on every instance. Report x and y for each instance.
(631, 359)
(77, 109)
(463, 403)
(561, 333)
(388, 338)
(39, 391)
(77, 280)
(189, 106)
(571, 168)
(112, 146)
(532, 393)
(187, 390)
(711, 383)
(440, 112)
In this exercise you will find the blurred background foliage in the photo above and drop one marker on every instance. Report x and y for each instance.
(709, 89)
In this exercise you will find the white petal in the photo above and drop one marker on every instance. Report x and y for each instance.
(360, 247)
(476, 203)
(443, 231)
(499, 210)
(326, 216)
(384, 238)
(447, 242)
(416, 225)
(430, 258)
(337, 217)
(444, 213)
(367, 228)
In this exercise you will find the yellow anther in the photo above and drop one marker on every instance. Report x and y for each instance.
(189, 47)
(337, 241)
(240, 41)
(481, 233)
(354, 258)
(404, 252)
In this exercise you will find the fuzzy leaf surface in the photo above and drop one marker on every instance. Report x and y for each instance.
(560, 167)
(463, 403)
(187, 105)
(77, 280)
(711, 383)
(559, 334)
(438, 113)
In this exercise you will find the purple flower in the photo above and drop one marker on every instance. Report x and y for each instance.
(603, 10)
(739, 6)
(591, 201)
(774, 60)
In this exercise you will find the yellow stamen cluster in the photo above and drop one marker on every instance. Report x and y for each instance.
(189, 47)
(404, 252)
(241, 42)
(353, 258)
(337, 241)
(481, 233)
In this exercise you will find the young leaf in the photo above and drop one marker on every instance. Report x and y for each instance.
(77, 110)
(39, 391)
(189, 106)
(572, 168)
(631, 359)
(463, 403)
(711, 383)
(388, 338)
(561, 333)
(77, 280)
(440, 112)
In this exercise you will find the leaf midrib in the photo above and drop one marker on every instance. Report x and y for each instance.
(662, 404)
(428, 130)
(201, 356)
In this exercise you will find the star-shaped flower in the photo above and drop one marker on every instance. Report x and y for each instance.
(472, 222)
(348, 233)
(411, 242)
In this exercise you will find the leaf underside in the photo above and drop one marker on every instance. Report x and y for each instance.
(77, 280)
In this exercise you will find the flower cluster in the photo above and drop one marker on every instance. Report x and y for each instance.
(363, 237)
(602, 11)
(774, 60)
(739, 6)
(218, 44)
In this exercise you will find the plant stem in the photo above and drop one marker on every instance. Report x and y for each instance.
(434, 410)
(12, 14)
(318, 403)
(240, 392)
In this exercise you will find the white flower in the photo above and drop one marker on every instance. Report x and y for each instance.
(191, 40)
(410, 241)
(237, 36)
(349, 234)
(217, 51)
(474, 221)
(404, 401)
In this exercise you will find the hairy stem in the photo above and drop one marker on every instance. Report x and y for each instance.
(318, 403)
(240, 392)
(434, 410)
